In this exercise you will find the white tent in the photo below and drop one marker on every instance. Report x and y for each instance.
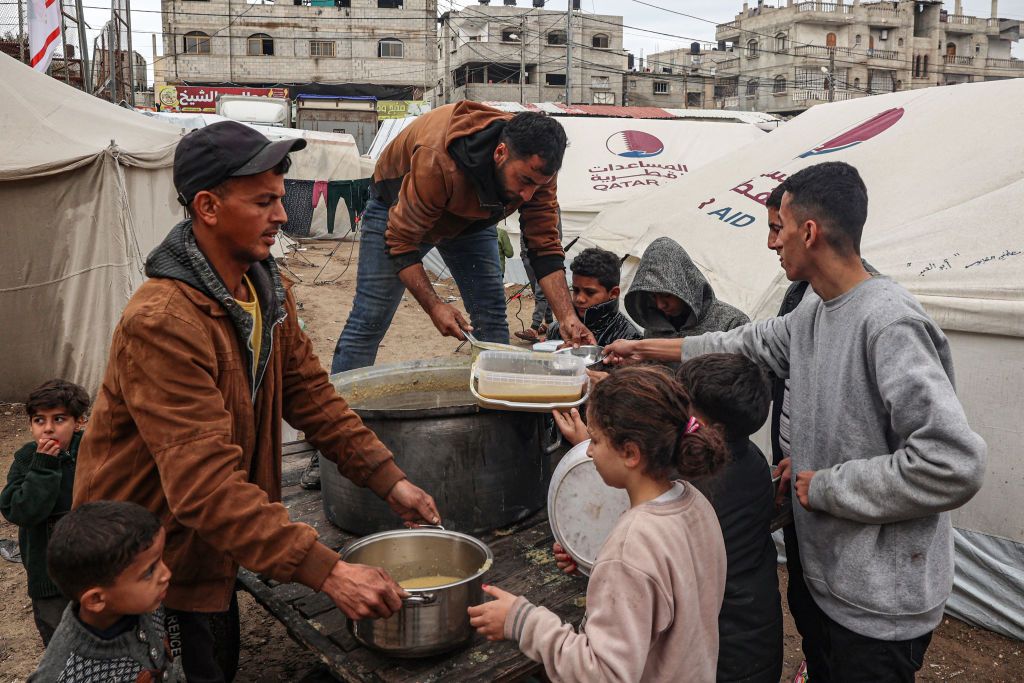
(86, 189)
(611, 160)
(946, 188)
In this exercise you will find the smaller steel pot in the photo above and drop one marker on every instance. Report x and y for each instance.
(431, 620)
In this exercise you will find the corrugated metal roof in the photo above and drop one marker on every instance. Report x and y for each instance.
(614, 111)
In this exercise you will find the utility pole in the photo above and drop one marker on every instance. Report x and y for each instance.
(21, 35)
(83, 47)
(831, 74)
(111, 56)
(522, 59)
(446, 47)
(568, 53)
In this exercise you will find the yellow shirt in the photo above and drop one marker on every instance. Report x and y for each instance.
(252, 307)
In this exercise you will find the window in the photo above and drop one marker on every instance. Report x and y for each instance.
(342, 3)
(554, 79)
(751, 49)
(604, 98)
(600, 40)
(830, 40)
(557, 38)
(694, 99)
(752, 86)
(260, 45)
(660, 87)
(780, 42)
(599, 82)
(899, 42)
(321, 48)
(389, 4)
(778, 86)
(391, 48)
(510, 35)
(197, 43)
(856, 39)
(666, 70)
(856, 84)
(632, 84)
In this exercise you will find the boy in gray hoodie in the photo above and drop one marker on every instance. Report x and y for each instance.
(880, 447)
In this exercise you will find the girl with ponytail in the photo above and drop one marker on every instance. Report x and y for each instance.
(658, 581)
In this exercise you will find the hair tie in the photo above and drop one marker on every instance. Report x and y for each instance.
(692, 426)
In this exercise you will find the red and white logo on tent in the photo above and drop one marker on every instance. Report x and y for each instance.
(634, 144)
(43, 31)
(865, 131)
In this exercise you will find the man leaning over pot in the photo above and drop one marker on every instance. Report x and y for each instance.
(206, 361)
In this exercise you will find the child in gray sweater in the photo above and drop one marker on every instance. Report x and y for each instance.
(106, 558)
(658, 580)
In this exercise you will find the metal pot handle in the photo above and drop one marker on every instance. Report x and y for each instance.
(429, 526)
(419, 599)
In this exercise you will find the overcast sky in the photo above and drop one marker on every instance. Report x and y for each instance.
(146, 19)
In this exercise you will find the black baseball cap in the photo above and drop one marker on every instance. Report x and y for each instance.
(208, 156)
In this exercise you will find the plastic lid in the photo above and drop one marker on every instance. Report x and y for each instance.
(582, 509)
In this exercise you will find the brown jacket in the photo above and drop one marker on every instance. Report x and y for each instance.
(438, 177)
(177, 429)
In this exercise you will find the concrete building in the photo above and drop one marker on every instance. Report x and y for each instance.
(677, 79)
(483, 47)
(384, 48)
(872, 47)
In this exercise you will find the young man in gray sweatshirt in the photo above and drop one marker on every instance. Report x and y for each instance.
(880, 447)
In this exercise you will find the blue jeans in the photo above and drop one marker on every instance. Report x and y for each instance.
(473, 262)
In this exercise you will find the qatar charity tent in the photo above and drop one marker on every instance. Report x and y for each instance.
(611, 160)
(87, 191)
(946, 187)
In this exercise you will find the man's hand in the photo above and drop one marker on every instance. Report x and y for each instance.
(803, 488)
(448, 321)
(574, 332)
(48, 446)
(783, 473)
(563, 560)
(622, 352)
(363, 592)
(489, 618)
(571, 425)
(412, 503)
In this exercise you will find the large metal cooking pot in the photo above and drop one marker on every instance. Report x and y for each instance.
(431, 620)
(485, 468)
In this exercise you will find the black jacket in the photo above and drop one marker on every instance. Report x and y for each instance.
(750, 622)
(606, 322)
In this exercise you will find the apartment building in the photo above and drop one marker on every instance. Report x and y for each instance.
(482, 49)
(799, 54)
(677, 79)
(383, 48)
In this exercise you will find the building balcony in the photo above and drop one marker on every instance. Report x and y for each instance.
(728, 102)
(733, 63)
(1007, 64)
(961, 23)
(958, 60)
(826, 11)
(881, 10)
(821, 95)
(729, 31)
(821, 51)
(891, 55)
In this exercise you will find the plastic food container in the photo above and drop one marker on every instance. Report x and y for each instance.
(528, 381)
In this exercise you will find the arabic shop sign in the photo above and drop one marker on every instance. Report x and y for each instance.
(198, 99)
(399, 109)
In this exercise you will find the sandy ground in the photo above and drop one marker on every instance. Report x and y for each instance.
(958, 651)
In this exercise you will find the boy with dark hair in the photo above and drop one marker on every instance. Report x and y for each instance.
(595, 288)
(106, 557)
(731, 394)
(39, 488)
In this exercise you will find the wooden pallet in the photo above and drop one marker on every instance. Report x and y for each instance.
(523, 564)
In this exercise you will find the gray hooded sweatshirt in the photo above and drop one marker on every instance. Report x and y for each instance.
(667, 268)
(875, 415)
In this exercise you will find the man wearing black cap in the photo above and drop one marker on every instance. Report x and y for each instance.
(206, 362)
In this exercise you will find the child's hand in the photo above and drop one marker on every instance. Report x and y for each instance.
(48, 446)
(571, 426)
(563, 560)
(489, 618)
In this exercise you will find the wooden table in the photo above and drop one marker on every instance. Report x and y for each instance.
(523, 564)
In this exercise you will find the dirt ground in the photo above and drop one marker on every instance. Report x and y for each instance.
(958, 650)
